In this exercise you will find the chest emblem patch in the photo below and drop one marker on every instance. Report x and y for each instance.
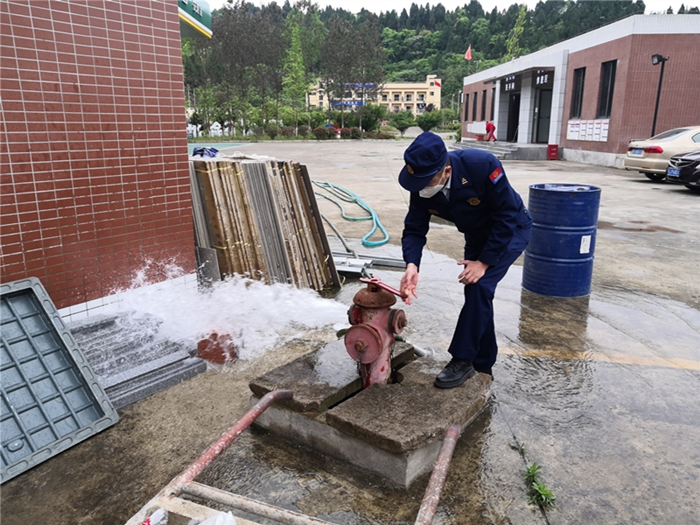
(464, 181)
(474, 201)
(434, 212)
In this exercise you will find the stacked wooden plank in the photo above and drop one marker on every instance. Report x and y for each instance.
(262, 219)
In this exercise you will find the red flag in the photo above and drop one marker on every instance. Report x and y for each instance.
(468, 54)
(437, 84)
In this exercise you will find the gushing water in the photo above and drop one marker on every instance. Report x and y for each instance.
(257, 316)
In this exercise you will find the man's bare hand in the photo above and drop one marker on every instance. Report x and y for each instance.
(473, 271)
(409, 282)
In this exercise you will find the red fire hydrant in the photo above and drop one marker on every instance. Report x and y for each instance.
(371, 336)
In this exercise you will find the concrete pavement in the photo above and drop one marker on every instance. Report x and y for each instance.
(601, 391)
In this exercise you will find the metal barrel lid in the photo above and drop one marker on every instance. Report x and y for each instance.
(564, 187)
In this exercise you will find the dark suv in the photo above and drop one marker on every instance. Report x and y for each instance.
(685, 168)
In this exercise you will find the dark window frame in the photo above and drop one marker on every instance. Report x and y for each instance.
(466, 107)
(483, 105)
(493, 103)
(577, 94)
(475, 105)
(607, 88)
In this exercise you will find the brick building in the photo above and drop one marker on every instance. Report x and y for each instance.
(95, 179)
(592, 94)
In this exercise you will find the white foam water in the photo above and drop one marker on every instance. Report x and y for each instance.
(256, 315)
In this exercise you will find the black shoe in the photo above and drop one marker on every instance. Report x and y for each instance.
(455, 373)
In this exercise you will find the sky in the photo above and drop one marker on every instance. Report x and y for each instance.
(377, 6)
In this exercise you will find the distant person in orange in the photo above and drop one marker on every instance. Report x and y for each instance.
(490, 129)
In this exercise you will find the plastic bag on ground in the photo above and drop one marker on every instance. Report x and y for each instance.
(222, 518)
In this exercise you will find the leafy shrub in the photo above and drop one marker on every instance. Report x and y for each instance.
(287, 131)
(258, 131)
(303, 131)
(321, 133)
(272, 131)
(355, 133)
(344, 133)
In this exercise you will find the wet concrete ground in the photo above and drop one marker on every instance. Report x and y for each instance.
(601, 392)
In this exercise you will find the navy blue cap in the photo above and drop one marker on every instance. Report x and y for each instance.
(424, 158)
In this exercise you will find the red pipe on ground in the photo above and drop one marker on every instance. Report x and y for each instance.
(437, 479)
(229, 436)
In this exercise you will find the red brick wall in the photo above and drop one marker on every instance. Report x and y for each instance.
(636, 84)
(95, 182)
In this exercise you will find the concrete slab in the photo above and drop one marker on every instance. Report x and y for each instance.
(322, 378)
(404, 416)
(392, 430)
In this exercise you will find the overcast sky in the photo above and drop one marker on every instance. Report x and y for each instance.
(354, 6)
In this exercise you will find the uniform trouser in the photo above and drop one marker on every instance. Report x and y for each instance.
(475, 335)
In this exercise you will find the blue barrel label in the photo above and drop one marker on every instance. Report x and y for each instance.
(585, 244)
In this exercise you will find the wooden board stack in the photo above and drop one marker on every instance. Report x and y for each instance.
(263, 221)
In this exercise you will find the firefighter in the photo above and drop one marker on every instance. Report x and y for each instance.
(469, 188)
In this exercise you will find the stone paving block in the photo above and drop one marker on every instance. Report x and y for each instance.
(404, 416)
(322, 378)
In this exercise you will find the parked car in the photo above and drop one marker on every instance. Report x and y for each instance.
(651, 156)
(685, 169)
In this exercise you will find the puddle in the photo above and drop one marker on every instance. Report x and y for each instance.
(595, 388)
(635, 226)
(600, 391)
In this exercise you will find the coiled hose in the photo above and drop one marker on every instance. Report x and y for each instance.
(345, 195)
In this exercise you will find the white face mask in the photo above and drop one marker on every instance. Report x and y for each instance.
(430, 191)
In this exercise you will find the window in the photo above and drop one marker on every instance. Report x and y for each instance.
(483, 105)
(421, 97)
(432, 84)
(466, 107)
(493, 103)
(577, 97)
(408, 98)
(384, 98)
(396, 98)
(397, 109)
(409, 107)
(607, 86)
(320, 97)
(476, 96)
(432, 93)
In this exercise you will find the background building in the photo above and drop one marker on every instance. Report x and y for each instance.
(394, 96)
(594, 93)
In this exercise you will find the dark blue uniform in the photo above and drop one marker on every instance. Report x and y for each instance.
(496, 227)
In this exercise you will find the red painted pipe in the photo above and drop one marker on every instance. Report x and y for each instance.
(437, 479)
(229, 436)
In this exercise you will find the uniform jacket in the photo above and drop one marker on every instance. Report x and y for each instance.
(482, 204)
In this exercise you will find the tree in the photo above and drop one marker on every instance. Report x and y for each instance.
(369, 61)
(338, 62)
(514, 49)
(429, 120)
(402, 121)
(295, 84)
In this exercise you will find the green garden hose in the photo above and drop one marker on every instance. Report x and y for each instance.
(345, 195)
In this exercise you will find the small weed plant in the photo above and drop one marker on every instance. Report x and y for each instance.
(541, 495)
(532, 473)
(538, 493)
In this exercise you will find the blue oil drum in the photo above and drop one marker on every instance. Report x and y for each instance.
(559, 258)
